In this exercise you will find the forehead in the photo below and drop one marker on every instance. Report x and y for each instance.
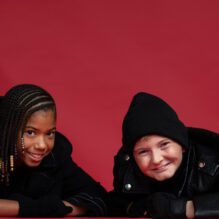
(148, 138)
(42, 118)
(46, 113)
(149, 141)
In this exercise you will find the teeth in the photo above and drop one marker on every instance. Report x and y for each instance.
(160, 168)
(36, 156)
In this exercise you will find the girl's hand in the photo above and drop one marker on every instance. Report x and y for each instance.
(77, 210)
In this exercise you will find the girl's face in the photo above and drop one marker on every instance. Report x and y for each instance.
(39, 137)
(158, 157)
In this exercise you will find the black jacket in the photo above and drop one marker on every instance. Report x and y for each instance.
(200, 181)
(59, 175)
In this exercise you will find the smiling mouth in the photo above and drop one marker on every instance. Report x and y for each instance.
(35, 157)
(161, 168)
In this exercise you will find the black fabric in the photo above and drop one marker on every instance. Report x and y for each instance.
(58, 175)
(46, 206)
(138, 208)
(149, 114)
(166, 205)
(205, 208)
(158, 205)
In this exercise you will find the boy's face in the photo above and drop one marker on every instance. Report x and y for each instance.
(158, 157)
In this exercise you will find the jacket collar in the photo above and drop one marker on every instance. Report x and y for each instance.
(49, 162)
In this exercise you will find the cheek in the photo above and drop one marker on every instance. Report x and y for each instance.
(175, 155)
(172, 152)
(142, 163)
(28, 142)
(51, 144)
(180, 157)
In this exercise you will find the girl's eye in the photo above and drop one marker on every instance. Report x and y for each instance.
(30, 132)
(51, 134)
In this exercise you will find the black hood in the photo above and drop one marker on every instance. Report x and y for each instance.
(149, 114)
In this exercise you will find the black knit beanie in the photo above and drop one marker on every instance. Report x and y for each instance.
(149, 114)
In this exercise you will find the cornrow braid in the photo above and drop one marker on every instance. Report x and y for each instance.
(16, 107)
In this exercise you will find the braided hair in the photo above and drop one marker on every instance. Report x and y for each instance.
(16, 107)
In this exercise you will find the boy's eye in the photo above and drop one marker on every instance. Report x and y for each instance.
(165, 143)
(143, 152)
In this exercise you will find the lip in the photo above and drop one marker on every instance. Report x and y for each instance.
(161, 168)
(35, 157)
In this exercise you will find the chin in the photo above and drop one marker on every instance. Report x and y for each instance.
(32, 164)
(163, 178)
(160, 179)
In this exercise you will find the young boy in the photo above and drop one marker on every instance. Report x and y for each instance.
(164, 169)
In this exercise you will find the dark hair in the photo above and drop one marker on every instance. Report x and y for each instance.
(18, 104)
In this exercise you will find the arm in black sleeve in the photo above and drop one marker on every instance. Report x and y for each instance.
(126, 205)
(157, 205)
(165, 205)
(46, 206)
(78, 187)
(206, 205)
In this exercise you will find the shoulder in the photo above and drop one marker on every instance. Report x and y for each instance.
(126, 173)
(204, 140)
(201, 135)
(62, 143)
(121, 161)
(206, 148)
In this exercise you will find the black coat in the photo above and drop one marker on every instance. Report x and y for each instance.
(59, 175)
(200, 182)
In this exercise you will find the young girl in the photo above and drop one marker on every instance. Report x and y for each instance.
(38, 176)
(164, 169)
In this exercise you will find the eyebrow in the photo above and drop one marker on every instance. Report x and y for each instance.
(54, 128)
(140, 147)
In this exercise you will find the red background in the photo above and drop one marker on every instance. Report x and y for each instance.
(94, 55)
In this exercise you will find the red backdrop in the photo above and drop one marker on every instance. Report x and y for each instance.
(93, 56)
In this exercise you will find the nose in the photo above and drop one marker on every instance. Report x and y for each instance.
(41, 143)
(156, 157)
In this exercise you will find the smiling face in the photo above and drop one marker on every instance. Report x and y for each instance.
(158, 157)
(39, 137)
